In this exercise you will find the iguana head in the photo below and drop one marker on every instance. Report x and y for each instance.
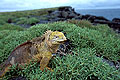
(57, 37)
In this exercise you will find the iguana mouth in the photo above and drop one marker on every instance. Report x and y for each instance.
(62, 41)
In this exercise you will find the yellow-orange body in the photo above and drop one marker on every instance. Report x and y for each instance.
(39, 49)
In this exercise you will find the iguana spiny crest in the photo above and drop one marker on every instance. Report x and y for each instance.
(39, 49)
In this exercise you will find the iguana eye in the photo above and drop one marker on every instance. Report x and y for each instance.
(56, 36)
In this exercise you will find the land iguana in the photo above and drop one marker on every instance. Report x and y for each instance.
(39, 49)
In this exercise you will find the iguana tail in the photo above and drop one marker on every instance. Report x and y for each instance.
(3, 69)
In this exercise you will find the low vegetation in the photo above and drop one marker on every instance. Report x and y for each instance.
(87, 41)
(27, 21)
(10, 27)
(5, 16)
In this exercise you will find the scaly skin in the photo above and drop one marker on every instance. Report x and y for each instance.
(39, 49)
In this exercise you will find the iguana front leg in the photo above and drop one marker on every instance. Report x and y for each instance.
(44, 62)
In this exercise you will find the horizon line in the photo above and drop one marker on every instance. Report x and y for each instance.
(14, 10)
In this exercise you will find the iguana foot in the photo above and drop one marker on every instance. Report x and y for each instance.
(50, 69)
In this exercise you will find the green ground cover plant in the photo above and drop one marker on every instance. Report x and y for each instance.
(11, 27)
(25, 21)
(87, 41)
(2, 22)
(4, 16)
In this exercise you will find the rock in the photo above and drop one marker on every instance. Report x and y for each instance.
(64, 14)
(111, 24)
(116, 26)
(33, 24)
(111, 63)
(116, 19)
(50, 11)
(71, 15)
(56, 13)
(78, 17)
(66, 8)
(92, 18)
(102, 18)
(64, 49)
(67, 12)
(44, 22)
(103, 22)
(58, 19)
(73, 10)
(85, 16)
(93, 77)
(9, 20)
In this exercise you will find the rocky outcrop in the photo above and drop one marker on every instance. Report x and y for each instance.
(115, 23)
(65, 13)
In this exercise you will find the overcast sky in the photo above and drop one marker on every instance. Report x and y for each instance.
(6, 5)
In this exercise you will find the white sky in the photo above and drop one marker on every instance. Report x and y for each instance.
(37, 4)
